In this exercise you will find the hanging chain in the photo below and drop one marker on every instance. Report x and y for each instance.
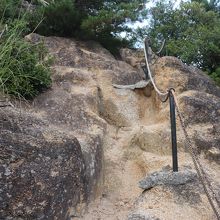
(199, 169)
(163, 96)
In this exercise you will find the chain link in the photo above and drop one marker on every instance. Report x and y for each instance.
(163, 96)
(199, 169)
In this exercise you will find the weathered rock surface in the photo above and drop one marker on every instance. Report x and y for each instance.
(52, 150)
(141, 216)
(56, 151)
(199, 101)
(144, 146)
(168, 178)
(42, 176)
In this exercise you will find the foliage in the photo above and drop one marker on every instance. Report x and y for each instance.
(59, 18)
(216, 75)
(23, 69)
(101, 20)
(211, 5)
(90, 19)
(192, 33)
(9, 9)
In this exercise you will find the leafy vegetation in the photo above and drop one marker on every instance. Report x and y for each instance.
(211, 5)
(23, 69)
(60, 18)
(24, 72)
(192, 33)
(100, 20)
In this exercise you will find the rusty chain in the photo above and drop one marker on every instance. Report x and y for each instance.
(163, 96)
(199, 169)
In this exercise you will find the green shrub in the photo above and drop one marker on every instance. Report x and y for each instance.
(192, 33)
(9, 9)
(60, 18)
(101, 20)
(24, 72)
(216, 76)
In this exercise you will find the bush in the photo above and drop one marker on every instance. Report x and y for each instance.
(24, 72)
(192, 33)
(9, 9)
(60, 18)
(216, 76)
(101, 20)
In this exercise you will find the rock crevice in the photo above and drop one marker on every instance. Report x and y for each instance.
(87, 142)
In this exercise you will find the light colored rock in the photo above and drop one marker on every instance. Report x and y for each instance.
(133, 57)
(214, 153)
(198, 99)
(87, 138)
(138, 85)
(155, 138)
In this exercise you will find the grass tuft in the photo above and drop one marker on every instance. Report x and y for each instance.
(24, 71)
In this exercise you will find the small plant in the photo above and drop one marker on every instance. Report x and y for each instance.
(216, 76)
(24, 71)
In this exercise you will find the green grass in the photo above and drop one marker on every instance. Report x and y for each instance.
(24, 71)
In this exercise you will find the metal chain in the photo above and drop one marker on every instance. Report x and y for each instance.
(200, 171)
(190, 144)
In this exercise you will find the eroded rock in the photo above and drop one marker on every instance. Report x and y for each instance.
(198, 98)
(41, 177)
(52, 150)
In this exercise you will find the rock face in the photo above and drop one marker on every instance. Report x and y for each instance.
(52, 149)
(199, 100)
(56, 151)
(143, 146)
(40, 178)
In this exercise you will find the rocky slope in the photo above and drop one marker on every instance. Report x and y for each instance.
(80, 149)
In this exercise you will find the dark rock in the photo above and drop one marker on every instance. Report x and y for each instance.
(201, 107)
(141, 216)
(41, 178)
(188, 193)
(167, 177)
(51, 150)
(198, 80)
(207, 141)
(214, 154)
